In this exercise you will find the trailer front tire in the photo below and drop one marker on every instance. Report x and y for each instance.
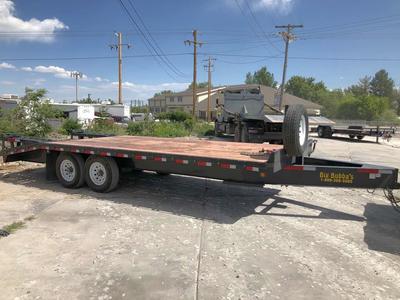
(70, 170)
(101, 173)
(295, 130)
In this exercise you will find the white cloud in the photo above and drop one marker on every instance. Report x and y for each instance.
(6, 82)
(27, 30)
(281, 6)
(27, 69)
(38, 81)
(58, 72)
(99, 79)
(145, 91)
(5, 65)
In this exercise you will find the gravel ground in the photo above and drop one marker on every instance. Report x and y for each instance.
(179, 237)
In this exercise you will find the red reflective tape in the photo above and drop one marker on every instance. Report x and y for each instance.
(140, 157)
(181, 161)
(368, 171)
(293, 168)
(227, 166)
(88, 151)
(11, 139)
(253, 169)
(75, 150)
(204, 164)
(105, 154)
(121, 155)
(58, 149)
(159, 158)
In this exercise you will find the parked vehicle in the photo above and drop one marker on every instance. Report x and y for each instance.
(243, 115)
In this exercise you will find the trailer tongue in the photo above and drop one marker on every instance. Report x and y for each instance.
(97, 161)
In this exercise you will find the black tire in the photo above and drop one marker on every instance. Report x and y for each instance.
(321, 132)
(352, 136)
(237, 133)
(295, 145)
(75, 163)
(109, 172)
(244, 134)
(360, 137)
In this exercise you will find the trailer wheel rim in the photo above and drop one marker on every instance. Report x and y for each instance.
(97, 173)
(67, 170)
(302, 130)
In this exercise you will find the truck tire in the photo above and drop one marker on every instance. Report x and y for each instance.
(320, 131)
(352, 136)
(360, 137)
(244, 135)
(70, 170)
(237, 133)
(101, 173)
(295, 130)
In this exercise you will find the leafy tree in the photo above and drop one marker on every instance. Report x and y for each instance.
(262, 76)
(306, 88)
(382, 85)
(199, 85)
(396, 100)
(362, 88)
(87, 101)
(164, 92)
(139, 109)
(33, 112)
(368, 107)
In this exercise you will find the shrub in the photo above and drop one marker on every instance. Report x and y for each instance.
(69, 126)
(105, 126)
(176, 116)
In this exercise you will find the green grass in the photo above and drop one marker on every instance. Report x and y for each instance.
(13, 227)
(170, 129)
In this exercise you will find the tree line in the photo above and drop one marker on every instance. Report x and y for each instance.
(372, 98)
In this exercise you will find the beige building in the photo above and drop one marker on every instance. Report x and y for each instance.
(184, 101)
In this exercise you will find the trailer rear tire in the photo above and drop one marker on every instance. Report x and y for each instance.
(295, 130)
(352, 136)
(244, 135)
(70, 170)
(238, 133)
(101, 173)
(360, 137)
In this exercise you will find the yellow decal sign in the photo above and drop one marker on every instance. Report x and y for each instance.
(335, 177)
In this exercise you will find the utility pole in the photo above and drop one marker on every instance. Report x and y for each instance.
(194, 83)
(287, 37)
(118, 47)
(208, 67)
(77, 75)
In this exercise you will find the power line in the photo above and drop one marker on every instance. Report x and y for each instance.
(287, 37)
(222, 54)
(195, 43)
(260, 27)
(248, 22)
(150, 47)
(118, 47)
(176, 70)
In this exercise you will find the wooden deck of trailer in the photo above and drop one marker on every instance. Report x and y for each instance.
(179, 146)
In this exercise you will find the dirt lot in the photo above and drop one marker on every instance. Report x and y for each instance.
(178, 237)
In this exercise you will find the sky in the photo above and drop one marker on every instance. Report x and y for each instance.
(43, 41)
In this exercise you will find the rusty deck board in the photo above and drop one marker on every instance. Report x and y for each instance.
(176, 146)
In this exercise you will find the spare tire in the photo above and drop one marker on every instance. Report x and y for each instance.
(295, 130)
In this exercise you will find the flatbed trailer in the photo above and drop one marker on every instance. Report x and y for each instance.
(97, 161)
(355, 131)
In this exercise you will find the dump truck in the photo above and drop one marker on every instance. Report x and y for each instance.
(243, 115)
